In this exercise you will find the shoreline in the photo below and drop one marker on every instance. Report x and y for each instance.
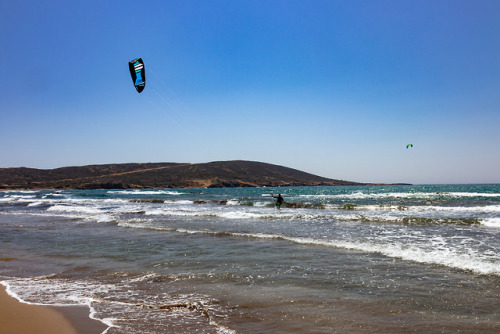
(18, 317)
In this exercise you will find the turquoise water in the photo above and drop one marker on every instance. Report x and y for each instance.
(387, 259)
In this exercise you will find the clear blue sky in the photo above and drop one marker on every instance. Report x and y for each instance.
(334, 88)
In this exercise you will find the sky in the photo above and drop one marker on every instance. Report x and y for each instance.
(333, 88)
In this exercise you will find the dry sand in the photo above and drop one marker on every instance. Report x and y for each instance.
(20, 318)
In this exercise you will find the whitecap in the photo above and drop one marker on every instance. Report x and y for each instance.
(144, 192)
(491, 222)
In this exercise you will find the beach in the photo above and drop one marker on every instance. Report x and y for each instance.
(354, 259)
(17, 317)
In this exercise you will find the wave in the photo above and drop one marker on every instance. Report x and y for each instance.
(116, 210)
(15, 198)
(447, 257)
(491, 222)
(463, 258)
(417, 208)
(409, 218)
(144, 192)
(80, 209)
(19, 191)
(439, 256)
(84, 212)
(117, 304)
(399, 195)
(55, 293)
(364, 217)
(472, 194)
(484, 208)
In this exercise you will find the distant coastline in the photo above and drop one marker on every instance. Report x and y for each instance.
(218, 174)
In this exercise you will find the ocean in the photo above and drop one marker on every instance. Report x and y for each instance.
(353, 259)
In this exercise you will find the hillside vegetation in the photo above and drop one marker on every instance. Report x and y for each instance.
(162, 175)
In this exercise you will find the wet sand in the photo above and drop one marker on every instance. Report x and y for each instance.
(16, 317)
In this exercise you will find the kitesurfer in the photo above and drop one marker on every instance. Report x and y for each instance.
(279, 200)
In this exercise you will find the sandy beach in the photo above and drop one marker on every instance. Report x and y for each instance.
(19, 318)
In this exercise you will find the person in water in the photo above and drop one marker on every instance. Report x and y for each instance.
(279, 200)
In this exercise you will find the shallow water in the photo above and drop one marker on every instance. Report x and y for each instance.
(381, 259)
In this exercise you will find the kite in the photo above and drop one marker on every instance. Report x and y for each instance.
(409, 145)
(138, 74)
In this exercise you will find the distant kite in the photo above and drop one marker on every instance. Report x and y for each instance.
(138, 74)
(409, 145)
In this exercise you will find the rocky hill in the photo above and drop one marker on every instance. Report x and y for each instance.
(162, 175)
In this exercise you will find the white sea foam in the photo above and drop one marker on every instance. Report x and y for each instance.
(173, 212)
(179, 202)
(436, 254)
(53, 292)
(484, 208)
(362, 195)
(86, 212)
(79, 209)
(143, 278)
(433, 255)
(144, 192)
(472, 194)
(19, 191)
(52, 195)
(239, 215)
(260, 204)
(18, 198)
(491, 222)
(115, 305)
(402, 195)
(38, 203)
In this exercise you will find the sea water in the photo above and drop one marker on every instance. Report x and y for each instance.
(368, 259)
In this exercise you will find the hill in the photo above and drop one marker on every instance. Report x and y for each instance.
(162, 175)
